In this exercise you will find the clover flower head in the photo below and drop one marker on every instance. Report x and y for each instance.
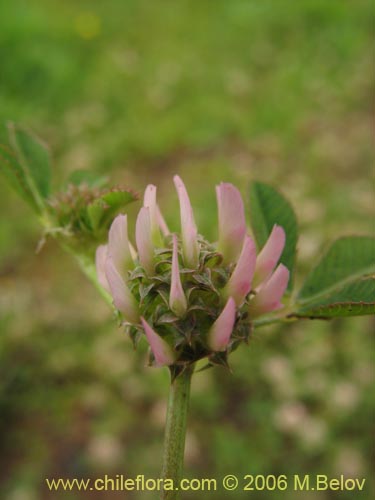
(191, 298)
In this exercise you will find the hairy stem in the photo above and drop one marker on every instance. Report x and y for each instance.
(175, 431)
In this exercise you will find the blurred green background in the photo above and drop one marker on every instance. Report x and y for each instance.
(279, 91)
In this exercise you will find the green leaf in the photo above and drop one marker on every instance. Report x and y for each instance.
(88, 177)
(353, 299)
(33, 157)
(267, 208)
(103, 209)
(341, 284)
(348, 258)
(15, 175)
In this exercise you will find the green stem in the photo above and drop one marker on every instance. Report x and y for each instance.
(175, 431)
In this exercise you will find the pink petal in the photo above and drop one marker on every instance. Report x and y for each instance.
(143, 239)
(232, 224)
(161, 350)
(269, 296)
(100, 258)
(221, 330)
(177, 299)
(269, 255)
(239, 284)
(118, 245)
(188, 228)
(123, 299)
(149, 201)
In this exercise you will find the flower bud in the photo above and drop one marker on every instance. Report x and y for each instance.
(232, 225)
(269, 255)
(221, 330)
(143, 239)
(269, 295)
(162, 351)
(177, 299)
(188, 228)
(239, 284)
(118, 246)
(123, 299)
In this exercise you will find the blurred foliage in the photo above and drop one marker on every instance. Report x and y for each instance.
(138, 91)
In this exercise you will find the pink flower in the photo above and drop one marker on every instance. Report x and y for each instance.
(118, 246)
(221, 330)
(270, 293)
(200, 280)
(189, 232)
(239, 284)
(232, 224)
(269, 255)
(162, 351)
(143, 239)
(177, 299)
(123, 299)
